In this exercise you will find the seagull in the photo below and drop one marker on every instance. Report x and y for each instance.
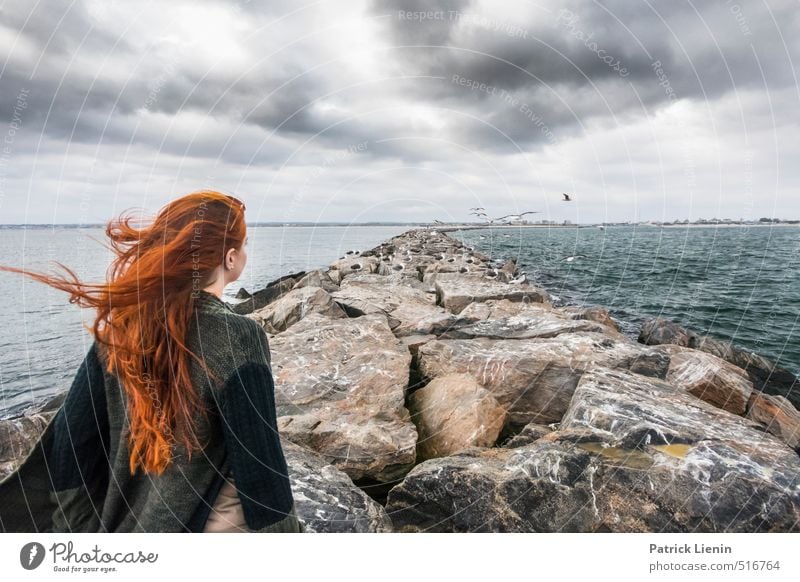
(572, 258)
(518, 280)
(566, 198)
(478, 208)
(517, 216)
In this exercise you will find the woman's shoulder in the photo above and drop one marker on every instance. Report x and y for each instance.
(229, 340)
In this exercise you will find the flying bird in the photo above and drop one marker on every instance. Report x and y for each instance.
(478, 208)
(567, 198)
(517, 216)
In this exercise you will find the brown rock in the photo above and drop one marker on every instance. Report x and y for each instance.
(534, 378)
(711, 379)
(777, 415)
(452, 413)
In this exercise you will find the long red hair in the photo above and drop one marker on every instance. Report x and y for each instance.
(144, 311)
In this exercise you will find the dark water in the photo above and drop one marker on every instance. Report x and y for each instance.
(739, 283)
(42, 339)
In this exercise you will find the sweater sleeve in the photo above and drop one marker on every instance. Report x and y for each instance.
(246, 403)
(77, 453)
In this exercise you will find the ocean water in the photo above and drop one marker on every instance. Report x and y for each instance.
(42, 335)
(737, 283)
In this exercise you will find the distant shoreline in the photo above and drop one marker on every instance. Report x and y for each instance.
(442, 228)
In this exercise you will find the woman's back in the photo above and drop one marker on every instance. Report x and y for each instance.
(241, 437)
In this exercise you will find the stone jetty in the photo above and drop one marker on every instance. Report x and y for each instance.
(425, 386)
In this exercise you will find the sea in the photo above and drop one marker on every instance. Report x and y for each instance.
(740, 283)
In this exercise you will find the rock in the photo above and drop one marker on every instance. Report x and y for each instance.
(452, 413)
(765, 374)
(662, 331)
(532, 432)
(359, 264)
(711, 379)
(268, 294)
(594, 313)
(517, 320)
(778, 416)
(335, 275)
(17, 437)
(290, 308)
(402, 299)
(534, 378)
(326, 498)
(634, 454)
(340, 390)
(413, 342)
(318, 278)
(455, 292)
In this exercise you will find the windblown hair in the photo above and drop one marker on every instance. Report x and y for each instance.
(144, 311)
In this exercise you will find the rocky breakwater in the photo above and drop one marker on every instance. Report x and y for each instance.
(450, 389)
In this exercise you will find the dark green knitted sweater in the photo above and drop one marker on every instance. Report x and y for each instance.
(77, 476)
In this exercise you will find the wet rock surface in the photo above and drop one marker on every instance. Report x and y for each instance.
(633, 454)
(766, 375)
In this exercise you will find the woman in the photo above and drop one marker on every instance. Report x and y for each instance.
(170, 423)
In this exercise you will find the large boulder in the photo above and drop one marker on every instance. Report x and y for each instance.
(290, 308)
(634, 454)
(452, 413)
(534, 378)
(348, 265)
(766, 375)
(711, 379)
(777, 415)
(326, 499)
(318, 278)
(506, 319)
(267, 295)
(409, 309)
(455, 292)
(17, 437)
(340, 391)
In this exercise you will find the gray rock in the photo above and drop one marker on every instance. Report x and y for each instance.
(532, 432)
(409, 309)
(455, 292)
(318, 278)
(634, 454)
(517, 320)
(327, 500)
(340, 391)
(268, 294)
(535, 378)
(17, 437)
(290, 308)
(766, 375)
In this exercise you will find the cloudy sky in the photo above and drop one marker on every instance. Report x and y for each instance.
(373, 110)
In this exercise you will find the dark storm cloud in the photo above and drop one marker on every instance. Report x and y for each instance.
(650, 54)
